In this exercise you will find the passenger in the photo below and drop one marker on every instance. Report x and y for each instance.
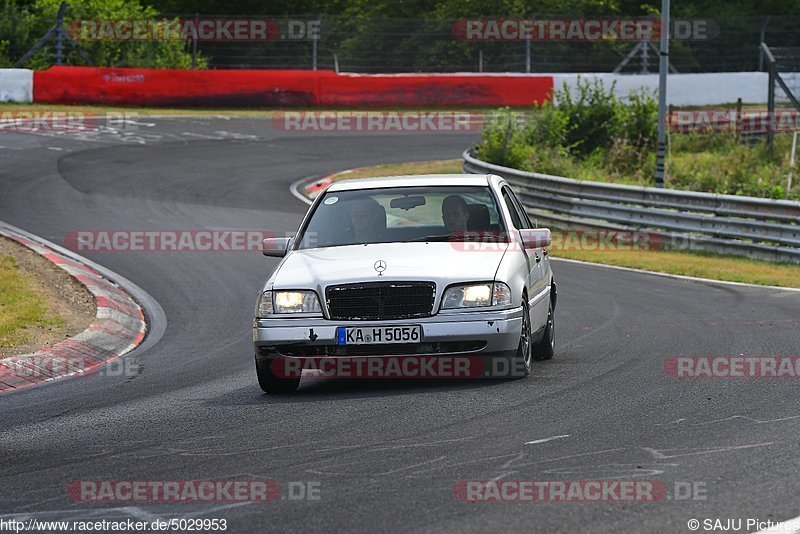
(455, 215)
(367, 221)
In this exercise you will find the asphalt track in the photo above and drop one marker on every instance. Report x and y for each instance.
(386, 454)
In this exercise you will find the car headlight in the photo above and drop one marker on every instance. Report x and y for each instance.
(288, 302)
(476, 296)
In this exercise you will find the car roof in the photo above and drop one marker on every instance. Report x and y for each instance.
(411, 181)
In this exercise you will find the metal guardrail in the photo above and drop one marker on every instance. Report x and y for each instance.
(728, 224)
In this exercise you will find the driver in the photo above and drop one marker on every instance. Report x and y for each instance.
(455, 214)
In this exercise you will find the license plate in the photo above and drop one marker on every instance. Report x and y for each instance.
(378, 335)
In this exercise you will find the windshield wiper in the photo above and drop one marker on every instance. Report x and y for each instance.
(433, 237)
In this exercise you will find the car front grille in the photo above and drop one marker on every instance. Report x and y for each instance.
(371, 301)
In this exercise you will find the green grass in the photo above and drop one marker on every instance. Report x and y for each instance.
(701, 265)
(21, 307)
(723, 165)
(447, 166)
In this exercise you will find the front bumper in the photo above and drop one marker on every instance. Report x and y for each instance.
(494, 333)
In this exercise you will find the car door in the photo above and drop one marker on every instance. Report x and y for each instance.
(519, 222)
(538, 271)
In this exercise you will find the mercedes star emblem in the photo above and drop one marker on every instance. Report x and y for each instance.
(380, 266)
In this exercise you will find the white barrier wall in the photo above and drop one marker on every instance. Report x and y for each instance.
(16, 85)
(684, 89)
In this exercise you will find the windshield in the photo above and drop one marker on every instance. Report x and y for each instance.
(402, 214)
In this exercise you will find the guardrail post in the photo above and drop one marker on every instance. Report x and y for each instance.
(60, 34)
(760, 48)
(737, 124)
(771, 107)
(194, 41)
(791, 164)
(528, 56)
(663, 67)
(772, 69)
(314, 38)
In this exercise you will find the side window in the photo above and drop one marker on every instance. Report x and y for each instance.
(522, 213)
(512, 209)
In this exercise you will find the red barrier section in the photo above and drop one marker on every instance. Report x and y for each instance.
(351, 90)
(269, 88)
(166, 87)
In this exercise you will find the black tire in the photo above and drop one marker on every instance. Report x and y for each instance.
(523, 361)
(270, 383)
(546, 347)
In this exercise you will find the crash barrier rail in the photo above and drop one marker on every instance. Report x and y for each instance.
(727, 224)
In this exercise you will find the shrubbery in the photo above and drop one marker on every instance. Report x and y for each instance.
(593, 135)
(720, 164)
(23, 23)
(589, 123)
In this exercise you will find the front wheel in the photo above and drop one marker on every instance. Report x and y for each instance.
(270, 382)
(523, 360)
(546, 347)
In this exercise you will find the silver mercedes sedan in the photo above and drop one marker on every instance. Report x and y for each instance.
(407, 276)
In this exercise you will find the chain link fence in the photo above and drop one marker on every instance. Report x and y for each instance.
(415, 45)
(391, 45)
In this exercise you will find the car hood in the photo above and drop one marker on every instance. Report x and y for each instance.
(443, 263)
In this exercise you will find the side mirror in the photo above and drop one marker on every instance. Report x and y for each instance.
(275, 246)
(536, 237)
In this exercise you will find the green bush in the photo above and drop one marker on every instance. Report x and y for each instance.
(591, 117)
(547, 127)
(592, 135)
(591, 121)
(637, 120)
(23, 23)
(503, 141)
(19, 30)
